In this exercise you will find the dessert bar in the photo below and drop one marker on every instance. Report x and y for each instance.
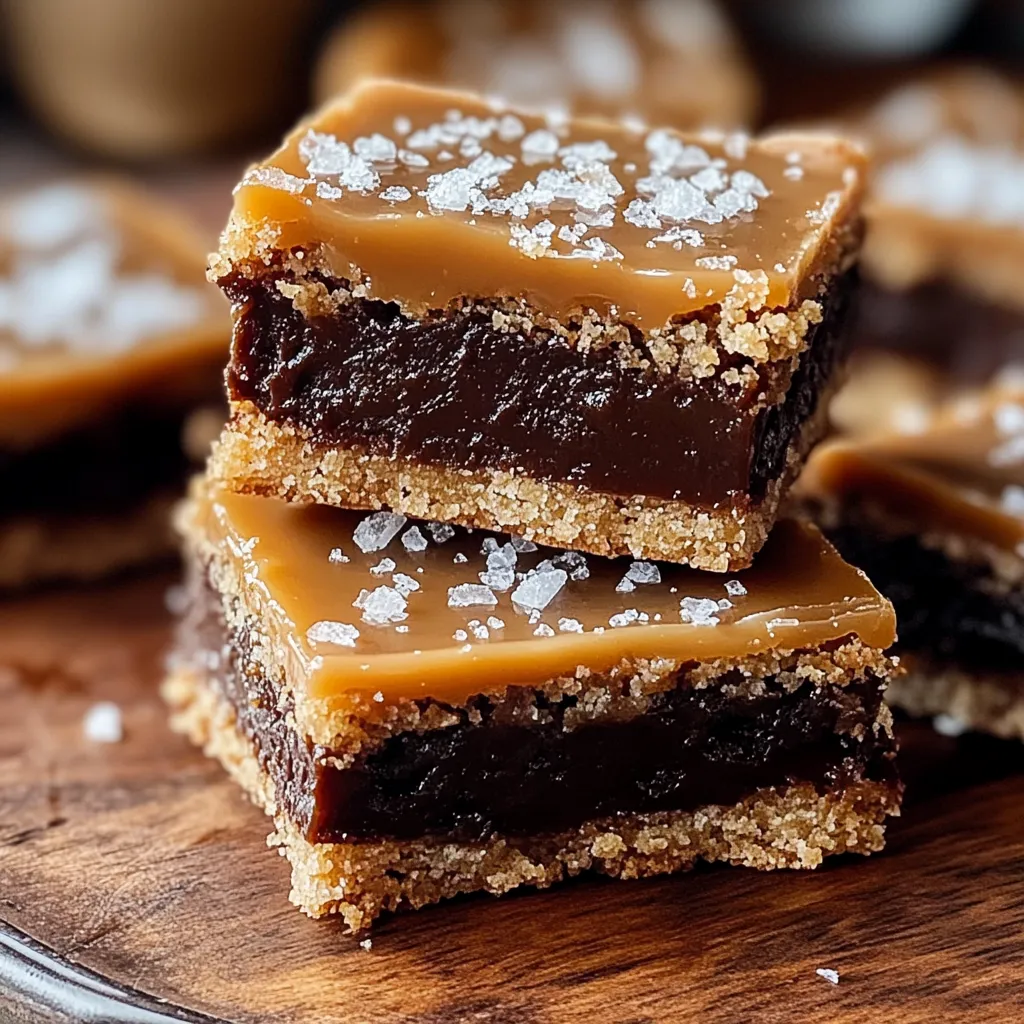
(601, 338)
(674, 62)
(944, 252)
(936, 519)
(110, 348)
(426, 711)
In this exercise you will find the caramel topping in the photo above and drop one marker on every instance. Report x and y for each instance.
(397, 609)
(673, 62)
(101, 294)
(963, 474)
(426, 197)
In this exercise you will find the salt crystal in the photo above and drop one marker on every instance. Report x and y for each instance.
(828, 974)
(377, 530)
(1012, 499)
(643, 572)
(460, 558)
(574, 564)
(1009, 418)
(699, 611)
(367, 944)
(377, 148)
(381, 606)
(413, 539)
(402, 125)
(624, 618)
(383, 567)
(500, 578)
(479, 630)
(404, 584)
(539, 589)
(460, 635)
(522, 545)
(403, 628)
(543, 630)
(495, 623)
(625, 586)
(735, 589)
(717, 262)
(793, 173)
(640, 213)
(396, 194)
(337, 557)
(541, 144)
(735, 145)
(411, 159)
(724, 604)
(102, 723)
(440, 532)
(328, 632)
(567, 625)
(471, 595)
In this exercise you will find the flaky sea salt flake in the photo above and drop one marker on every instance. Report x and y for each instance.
(343, 634)
(699, 611)
(539, 589)
(828, 974)
(338, 557)
(377, 530)
(471, 595)
(735, 589)
(413, 539)
(382, 606)
(103, 724)
(643, 572)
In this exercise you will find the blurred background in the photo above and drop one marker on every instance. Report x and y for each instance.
(181, 93)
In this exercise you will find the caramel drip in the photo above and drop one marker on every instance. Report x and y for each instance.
(50, 386)
(799, 594)
(951, 478)
(425, 254)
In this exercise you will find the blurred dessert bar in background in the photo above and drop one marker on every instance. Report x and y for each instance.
(944, 255)
(110, 340)
(670, 62)
(426, 711)
(936, 519)
(596, 336)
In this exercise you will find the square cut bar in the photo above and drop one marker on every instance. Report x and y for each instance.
(426, 711)
(936, 519)
(601, 338)
(675, 63)
(944, 252)
(111, 349)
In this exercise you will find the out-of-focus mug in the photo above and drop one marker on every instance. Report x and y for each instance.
(142, 79)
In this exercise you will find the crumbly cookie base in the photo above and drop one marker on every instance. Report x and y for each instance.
(795, 828)
(991, 703)
(35, 551)
(256, 455)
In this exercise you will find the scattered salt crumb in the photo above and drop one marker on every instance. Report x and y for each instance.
(460, 635)
(947, 725)
(625, 586)
(828, 974)
(543, 630)
(381, 606)
(567, 625)
(383, 567)
(495, 623)
(643, 572)
(326, 631)
(735, 589)
(440, 532)
(102, 723)
(337, 557)
(624, 618)
(404, 584)
(522, 545)
(367, 943)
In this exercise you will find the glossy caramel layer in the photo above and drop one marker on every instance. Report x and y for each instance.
(962, 474)
(102, 299)
(412, 634)
(670, 61)
(426, 197)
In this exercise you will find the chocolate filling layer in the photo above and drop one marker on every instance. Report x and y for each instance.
(484, 776)
(106, 467)
(942, 325)
(951, 610)
(457, 393)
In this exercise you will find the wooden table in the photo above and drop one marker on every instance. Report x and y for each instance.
(143, 876)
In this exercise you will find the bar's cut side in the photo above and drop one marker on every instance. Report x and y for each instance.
(937, 522)
(612, 340)
(426, 711)
(669, 63)
(110, 347)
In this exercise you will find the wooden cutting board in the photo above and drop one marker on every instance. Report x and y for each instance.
(134, 873)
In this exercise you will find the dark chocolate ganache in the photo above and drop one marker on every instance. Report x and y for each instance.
(456, 392)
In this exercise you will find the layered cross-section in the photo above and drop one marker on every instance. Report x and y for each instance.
(597, 336)
(426, 711)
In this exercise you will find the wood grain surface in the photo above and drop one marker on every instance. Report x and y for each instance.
(143, 872)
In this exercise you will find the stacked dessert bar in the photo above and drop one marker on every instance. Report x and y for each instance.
(482, 588)
(937, 519)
